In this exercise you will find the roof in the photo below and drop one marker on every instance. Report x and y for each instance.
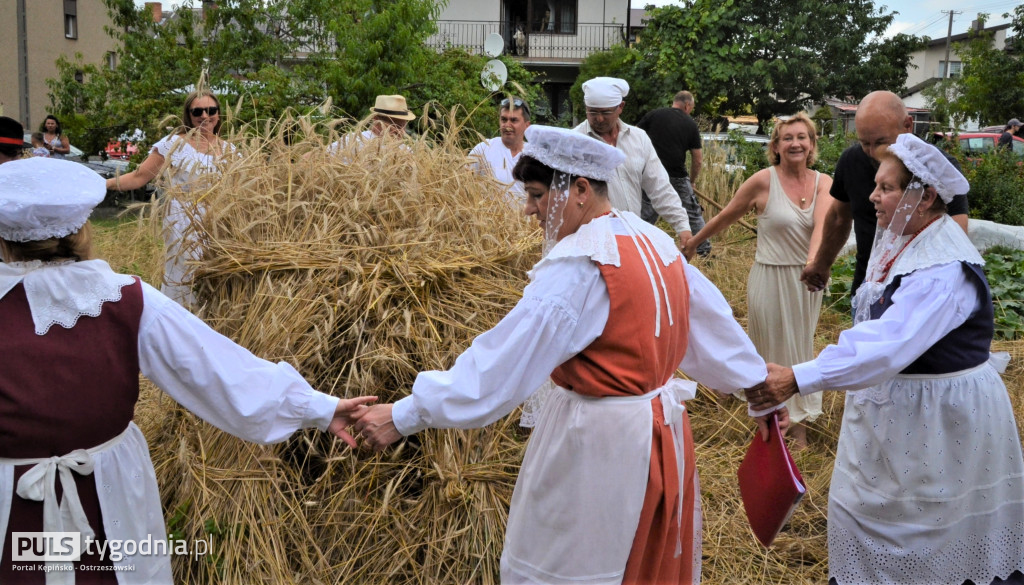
(638, 18)
(941, 41)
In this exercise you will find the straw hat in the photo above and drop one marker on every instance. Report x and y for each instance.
(392, 106)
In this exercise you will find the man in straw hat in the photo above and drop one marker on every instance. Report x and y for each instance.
(928, 485)
(12, 139)
(498, 156)
(608, 490)
(642, 172)
(390, 117)
(75, 337)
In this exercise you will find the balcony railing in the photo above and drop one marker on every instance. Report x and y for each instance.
(567, 42)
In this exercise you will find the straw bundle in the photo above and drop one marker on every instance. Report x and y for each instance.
(361, 268)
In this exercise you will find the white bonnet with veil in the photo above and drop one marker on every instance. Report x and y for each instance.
(930, 168)
(570, 154)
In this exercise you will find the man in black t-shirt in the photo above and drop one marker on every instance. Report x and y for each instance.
(674, 133)
(881, 117)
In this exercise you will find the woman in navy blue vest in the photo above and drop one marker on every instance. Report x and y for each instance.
(928, 484)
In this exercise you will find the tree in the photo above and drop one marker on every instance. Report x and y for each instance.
(775, 56)
(990, 88)
(263, 57)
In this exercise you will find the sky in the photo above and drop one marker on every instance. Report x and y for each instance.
(916, 17)
(925, 17)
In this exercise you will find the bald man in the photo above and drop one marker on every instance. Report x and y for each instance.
(881, 117)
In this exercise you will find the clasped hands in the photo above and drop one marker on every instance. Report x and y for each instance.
(776, 389)
(372, 421)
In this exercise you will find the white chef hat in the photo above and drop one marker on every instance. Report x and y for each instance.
(43, 198)
(928, 164)
(572, 152)
(604, 92)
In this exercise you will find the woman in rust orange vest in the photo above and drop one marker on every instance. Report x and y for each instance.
(608, 488)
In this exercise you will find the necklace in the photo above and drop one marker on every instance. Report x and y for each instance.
(888, 265)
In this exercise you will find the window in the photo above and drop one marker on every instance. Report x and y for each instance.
(977, 145)
(111, 60)
(79, 76)
(955, 67)
(554, 17)
(71, 19)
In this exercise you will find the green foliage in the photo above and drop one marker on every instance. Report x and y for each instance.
(829, 149)
(991, 85)
(1004, 269)
(997, 187)
(478, 107)
(839, 297)
(777, 56)
(266, 57)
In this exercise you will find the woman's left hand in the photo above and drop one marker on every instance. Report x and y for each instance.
(778, 387)
(762, 422)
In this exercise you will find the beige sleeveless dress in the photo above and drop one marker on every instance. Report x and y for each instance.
(782, 313)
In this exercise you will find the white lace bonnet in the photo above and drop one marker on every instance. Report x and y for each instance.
(42, 198)
(928, 164)
(572, 152)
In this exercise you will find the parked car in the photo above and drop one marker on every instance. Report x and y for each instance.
(975, 144)
(730, 143)
(106, 169)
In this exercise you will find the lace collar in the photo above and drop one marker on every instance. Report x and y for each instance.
(596, 240)
(60, 292)
(940, 243)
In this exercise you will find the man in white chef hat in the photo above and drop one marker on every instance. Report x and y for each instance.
(642, 171)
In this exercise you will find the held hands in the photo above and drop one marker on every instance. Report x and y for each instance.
(376, 426)
(684, 247)
(345, 415)
(778, 387)
(815, 276)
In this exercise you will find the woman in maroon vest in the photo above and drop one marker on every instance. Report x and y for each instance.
(74, 336)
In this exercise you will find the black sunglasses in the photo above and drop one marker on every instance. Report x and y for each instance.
(519, 104)
(196, 112)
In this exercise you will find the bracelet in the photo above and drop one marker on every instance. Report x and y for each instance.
(117, 182)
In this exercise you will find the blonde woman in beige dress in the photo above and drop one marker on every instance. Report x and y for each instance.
(791, 201)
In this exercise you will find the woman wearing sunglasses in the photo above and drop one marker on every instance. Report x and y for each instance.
(189, 154)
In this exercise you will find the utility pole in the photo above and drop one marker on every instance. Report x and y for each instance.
(949, 34)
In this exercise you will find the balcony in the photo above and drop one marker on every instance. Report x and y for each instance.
(567, 44)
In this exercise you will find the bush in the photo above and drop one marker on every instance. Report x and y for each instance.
(997, 187)
(1004, 268)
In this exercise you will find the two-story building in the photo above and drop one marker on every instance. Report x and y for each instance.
(550, 37)
(929, 65)
(33, 35)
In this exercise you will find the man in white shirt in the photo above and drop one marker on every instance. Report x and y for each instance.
(499, 155)
(642, 170)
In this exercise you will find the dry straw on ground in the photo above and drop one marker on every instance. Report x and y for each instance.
(362, 269)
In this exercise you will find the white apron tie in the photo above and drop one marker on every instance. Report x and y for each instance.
(39, 484)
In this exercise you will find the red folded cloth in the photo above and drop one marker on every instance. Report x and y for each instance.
(770, 484)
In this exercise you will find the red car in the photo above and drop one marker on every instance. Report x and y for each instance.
(120, 151)
(975, 144)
